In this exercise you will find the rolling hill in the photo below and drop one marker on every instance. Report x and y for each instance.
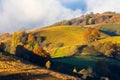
(68, 35)
(65, 45)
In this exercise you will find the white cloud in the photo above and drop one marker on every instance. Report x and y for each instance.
(70, 1)
(26, 14)
(99, 6)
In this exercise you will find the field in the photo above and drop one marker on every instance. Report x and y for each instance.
(68, 35)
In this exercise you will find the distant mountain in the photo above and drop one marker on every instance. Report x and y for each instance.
(92, 19)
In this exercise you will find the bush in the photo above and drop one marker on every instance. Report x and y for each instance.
(48, 64)
(40, 51)
(86, 73)
(16, 40)
(7, 48)
(91, 35)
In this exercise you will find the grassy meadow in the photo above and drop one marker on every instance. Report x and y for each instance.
(68, 35)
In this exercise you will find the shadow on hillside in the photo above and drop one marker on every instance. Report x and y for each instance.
(109, 33)
(30, 56)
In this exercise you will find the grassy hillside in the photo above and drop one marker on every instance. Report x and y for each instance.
(68, 35)
(65, 51)
(115, 39)
(111, 29)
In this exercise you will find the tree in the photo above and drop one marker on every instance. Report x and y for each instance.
(31, 42)
(86, 34)
(48, 64)
(91, 35)
(96, 32)
(40, 51)
(16, 40)
(31, 38)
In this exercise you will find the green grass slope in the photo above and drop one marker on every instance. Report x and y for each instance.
(65, 51)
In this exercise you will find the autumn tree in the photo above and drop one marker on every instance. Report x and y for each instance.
(86, 34)
(16, 40)
(31, 42)
(95, 34)
(31, 38)
(91, 35)
(40, 51)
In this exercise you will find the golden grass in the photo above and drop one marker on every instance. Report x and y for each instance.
(69, 35)
(115, 39)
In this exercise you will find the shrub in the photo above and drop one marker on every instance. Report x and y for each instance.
(74, 70)
(48, 64)
(91, 35)
(86, 73)
(31, 38)
(40, 51)
(7, 48)
(16, 40)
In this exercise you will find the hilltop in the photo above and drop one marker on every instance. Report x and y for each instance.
(92, 19)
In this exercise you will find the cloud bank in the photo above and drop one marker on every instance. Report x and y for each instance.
(103, 5)
(28, 14)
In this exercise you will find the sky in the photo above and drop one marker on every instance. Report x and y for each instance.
(29, 14)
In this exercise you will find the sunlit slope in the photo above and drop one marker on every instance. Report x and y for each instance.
(115, 39)
(68, 35)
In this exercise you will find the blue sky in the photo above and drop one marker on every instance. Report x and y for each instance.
(75, 4)
(29, 14)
